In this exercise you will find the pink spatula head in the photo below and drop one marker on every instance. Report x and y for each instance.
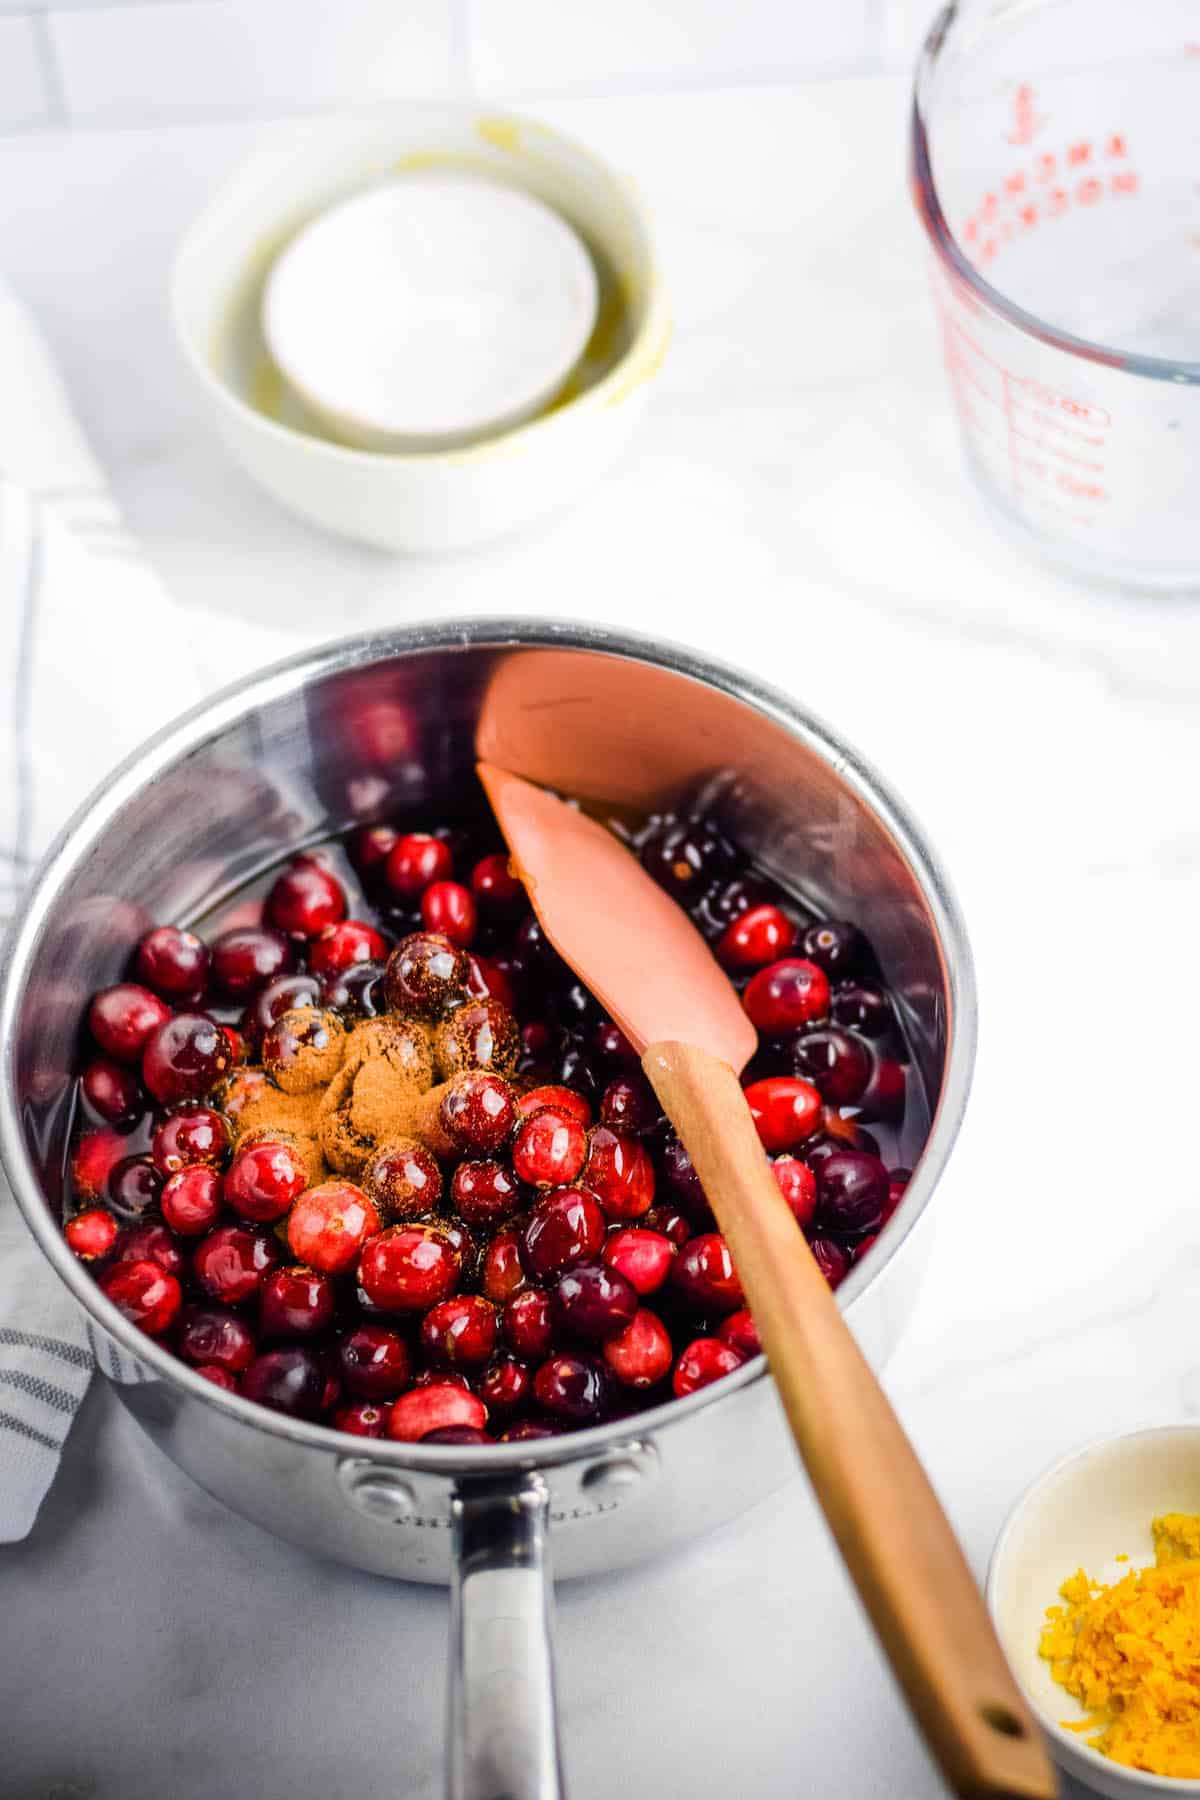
(624, 937)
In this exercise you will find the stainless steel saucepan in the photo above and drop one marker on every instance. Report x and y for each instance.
(383, 726)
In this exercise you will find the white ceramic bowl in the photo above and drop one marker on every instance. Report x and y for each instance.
(422, 500)
(1084, 1512)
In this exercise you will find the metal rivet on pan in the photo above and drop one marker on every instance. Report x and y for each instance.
(619, 1472)
(376, 1492)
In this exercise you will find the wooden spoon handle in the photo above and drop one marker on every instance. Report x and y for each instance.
(896, 1541)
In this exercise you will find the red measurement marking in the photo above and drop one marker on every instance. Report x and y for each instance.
(1125, 181)
(1027, 122)
(1028, 214)
(1045, 167)
(1089, 191)
(1015, 183)
(1079, 153)
(1116, 145)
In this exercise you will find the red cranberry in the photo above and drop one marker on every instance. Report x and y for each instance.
(837, 1064)
(447, 907)
(640, 1355)
(295, 1303)
(680, 1172)
(686, 858)
(232, 1262)
(305, 899)
(836, 1134)
(191, 1200)
(740, 1332)
(403, 1180)
(643, 1257)
(706, 1359)
(133, 1187)
(865, 1244)
(898, 1180)
(149, 1241)
(174, 963)
(185, 1058)
(328, 1226)
(461, 1330)
(785, 1110)
(571, 1387)
(284, 994)
(209, 1334)
(374, 1362)
(365, 1419)
(862, 1006)
(884, 1095)
(756, 937)
(629, 1104)
(853, 1190)
(409, 1268)
(486, 980)
(835, 946)
(612, 1046)
(478, 1111)
(145, 1293)
(619, 1172)
(830, 1258)
(566, 1225)
(219, 1377)
(798, 1185)
(485, 1192)
(339, 946)
(356, 991)
(537, 1041)
(186, 1139)
(503, 1272)
(91, 1233)
(113, 1092)
(593, 1301)
(495, 887)
(528, 1323)
(262, 1182)
(457, 1434)
(550, 1148)
(246, 958)
(424, 973)
(96, 1156)
(415, 861)
(369, 848)
(442, 1378)
(786, 995)
(670, 1223)
(527, 1429)
(573, 1070)
(289, 1381)
(433, 1408)
(726, 901)
(124, 1018)
(505, 1384)
(558, 1099)
(704, 1274)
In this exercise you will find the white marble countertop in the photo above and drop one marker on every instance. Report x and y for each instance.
(795, 503)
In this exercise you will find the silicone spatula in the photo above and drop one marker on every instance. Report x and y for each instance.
(649, 967)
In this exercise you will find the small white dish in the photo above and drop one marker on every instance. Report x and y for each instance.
(1084, 1513)
(431, 310)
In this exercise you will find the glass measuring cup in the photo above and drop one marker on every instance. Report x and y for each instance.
(1056, 169)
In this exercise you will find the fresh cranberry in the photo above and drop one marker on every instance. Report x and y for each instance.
(862, 1006)
(863, 1245)
(486, 980)
(409, 1268)
(612, 1046)
(305, 899)
(685, 858)
(145, 1293)
(669, 1223)
(365, 1419)
(209, 1334)
(433, 1408)
(197, 1136)
(328, 1226)
(284, 994)
(191, 1200)
(448, 907)
(424, 973)
(641, 1354)
(495, 886)
(884, 1096)
(559, 1099)
(289, 1381)
(356, 992)
(574, 1070)
(91, 1233)
(785, 1111)
(528, 1324)
(619, 1172)
(295, 1302)
(414, 862)
(374, 1362)
(124, 1018)
(571, 1387)
(526, 1430)
(593, 1301)
(835, 946)
(898, 1180)
(150, 1241)
(340, 946)
(503, 1271)
(369, 848)
(853, 1190)
(740, 1332)
(550, 1148)
(246, 958)
(478, 1111)
(185, 1058)
(113, 1092)
(237, 1046)
(756, 937)
(629, 1104)
(798, 1185)
(174, 963)
(505, 1384)
(457, 1434)
(443, 1378)
(726, 901)
(566, 1225)
(830, 1258)
(232, 1262)
(838, 1133)
(485, 1192)
(577, 1007)
(479, 1034)
(461, 1330)
(96, 1156)
(837, 1063)
(218, 1376)
(786, 995)
(643, 1257)
(705, 1360)
(403, 1180)
(133, 1187)
(680, 1171)
(262, 1182)
(704, 1274)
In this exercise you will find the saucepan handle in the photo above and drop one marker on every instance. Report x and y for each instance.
(502, 1719)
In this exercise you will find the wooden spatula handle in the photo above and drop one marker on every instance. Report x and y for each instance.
(896, 1541)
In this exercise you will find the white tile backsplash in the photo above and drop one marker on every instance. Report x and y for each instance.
(24, 99)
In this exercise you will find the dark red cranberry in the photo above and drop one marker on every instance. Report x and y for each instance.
(238, 1049)
(191, 1200)
(593, 1301)
(756, 937)
(485, 1192)
(414, 861)
(525, 1430)
(725, 901)
(862, 1006)
(356, 992)
(284, 994)
(561, 1099)
(550, 1148)
(837, 1063)
(505, 1384)
(365, 1419)
(838, 1133)
(174, 963)
(478, 1111)
(681, 1174)
(374, 1362)
(113, 1092)
(424, 1409)
(96, 1156)
(705, 1360)
(246, 958)
(571, 1387)
(424, 974)
(133, 1187)
(91, 1233)
(232, 1262)
(150, 1241)
(124, 1018)
(612, 1046)
(578, 1008)
(295, 1302)
(486, 980)
(340, 946)
(528, 1324)
(503, 1273)
(305, 900)
(457, 1434)
(409, 1268)
(262, 1181)
(785, 1110)
(640, 1354)
(495, 887)
(898, 1180)
(786, 995)
(536, 951)
(574, 1070)
(835, 946)
(884, 1096)
(566, 1225)
(209, 1334)
(219, 1377)
(186, 1139)
(704, 1274)
(403, 1180)
(460, 1331)
(369, 848)
(619, 1172)
(798, 1185)
(148, 1295)
(289, 1381)
(329, 1225)
(740, 1332)
(643, 1257)
(443, 1378)
(448, 907)
(853, 1192)
(686, 858)
(831, 1259)
(629, 1104)
(669, 1222)
(185, 1058)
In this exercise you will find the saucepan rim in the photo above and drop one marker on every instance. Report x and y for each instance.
(207, 722)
